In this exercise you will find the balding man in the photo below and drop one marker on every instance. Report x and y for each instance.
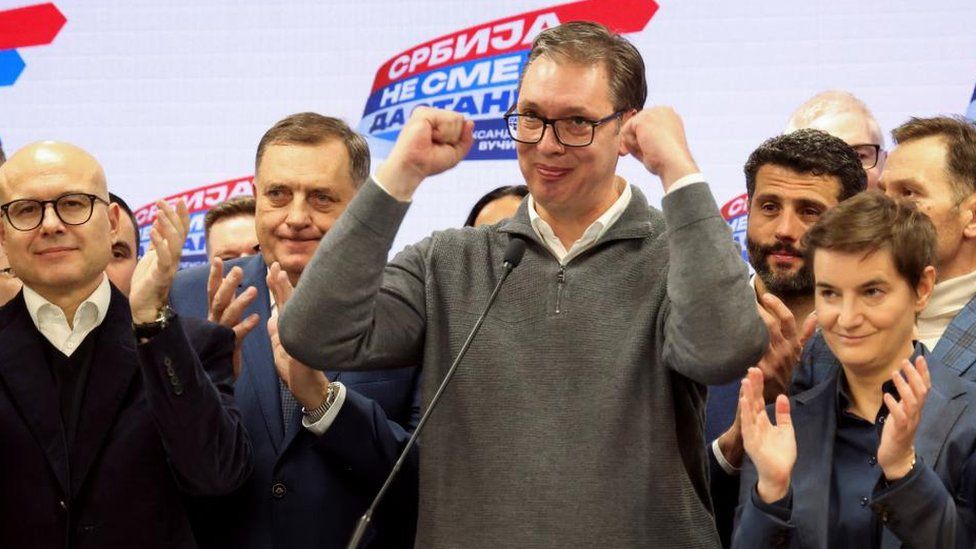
(107, 417)
(843, 115)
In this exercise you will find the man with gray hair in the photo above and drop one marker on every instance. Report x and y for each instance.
(843, 115)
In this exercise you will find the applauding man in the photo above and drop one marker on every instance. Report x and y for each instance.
(876, 455)
(107, 416)
(576, 420)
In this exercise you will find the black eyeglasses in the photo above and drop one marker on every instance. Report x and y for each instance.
(72, 209)
(572, 131)
(868, 154)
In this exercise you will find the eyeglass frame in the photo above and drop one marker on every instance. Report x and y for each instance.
(552, 122)
(4, 209)
(877, 153)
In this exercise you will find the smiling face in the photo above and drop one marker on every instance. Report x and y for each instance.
(565, 181)
(300, 191)
(784, 205)
(56, 259)
(866, 309)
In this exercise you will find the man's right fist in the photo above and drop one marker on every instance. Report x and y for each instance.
(432, 141)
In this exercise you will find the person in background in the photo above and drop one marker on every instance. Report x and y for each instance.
(324, 441)
(881, 453)
(842, 115)
(497, 205)
(125, 247)
(229, 229)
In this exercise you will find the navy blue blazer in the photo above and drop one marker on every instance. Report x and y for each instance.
(152, 429)
(933, 508)
(308, 491)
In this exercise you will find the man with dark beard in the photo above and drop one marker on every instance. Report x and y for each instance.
(791, 180)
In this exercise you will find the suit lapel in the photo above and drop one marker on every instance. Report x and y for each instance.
(815, 423)
(258, 367)
(941, 412)
(24, 371)
(956, 348)
(114, 365)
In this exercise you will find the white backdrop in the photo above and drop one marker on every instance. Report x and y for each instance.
(173, 95)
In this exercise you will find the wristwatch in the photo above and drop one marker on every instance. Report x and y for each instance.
(312, 416)
(150, 329)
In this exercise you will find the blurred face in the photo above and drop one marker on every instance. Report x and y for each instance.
(55, 258)
(232, 237)
(9, 283)
(917, 172)
(125, 255)
(300, 190)
(854, 129)
(784, 205)
(866, 309)
(569, 181)
(497, 210)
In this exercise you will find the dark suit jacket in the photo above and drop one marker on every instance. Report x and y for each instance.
(933, 507)
(152, 428)
(308, 491)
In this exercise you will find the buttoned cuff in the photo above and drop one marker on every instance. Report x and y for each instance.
(696, 177)
(729, 469)
(322, 425)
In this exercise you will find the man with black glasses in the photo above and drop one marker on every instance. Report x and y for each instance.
(843, 115)
(107, 416)
(576, 419)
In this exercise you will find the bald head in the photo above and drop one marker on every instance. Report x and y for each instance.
(844, 116)
(46, 160)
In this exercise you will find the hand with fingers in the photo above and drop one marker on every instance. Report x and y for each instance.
(227, 309)
(772, 448)
(776, 365)
(156, 270)
(896, 452)
(656, 137)
(432, 141)
(310, 386)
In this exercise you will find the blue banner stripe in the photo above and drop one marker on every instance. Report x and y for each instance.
(11, 65)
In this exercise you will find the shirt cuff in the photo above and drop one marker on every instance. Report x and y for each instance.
(722, 462)
(322, 425)
(380, 185)
(696, 177)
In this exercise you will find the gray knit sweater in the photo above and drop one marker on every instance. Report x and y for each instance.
(576, 418)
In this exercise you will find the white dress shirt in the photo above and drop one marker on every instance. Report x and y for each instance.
(598, 228)
(53, 324)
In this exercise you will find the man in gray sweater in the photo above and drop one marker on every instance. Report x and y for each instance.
(576, 417)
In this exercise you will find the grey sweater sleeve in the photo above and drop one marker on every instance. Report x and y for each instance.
(712, 331)
(350, 310)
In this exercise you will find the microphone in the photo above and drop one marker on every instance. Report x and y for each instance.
(513, 256)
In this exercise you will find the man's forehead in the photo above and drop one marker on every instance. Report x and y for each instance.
(50, 169)
(782, 181)
(563, 84)
(319, 164)
(852, 127)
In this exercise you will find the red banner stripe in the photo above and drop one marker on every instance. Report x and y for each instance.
(30, 26)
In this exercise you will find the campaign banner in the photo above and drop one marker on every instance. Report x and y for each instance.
(199, 201)
(475, 72)
(22, 27)
(971, 111)
(736, 214)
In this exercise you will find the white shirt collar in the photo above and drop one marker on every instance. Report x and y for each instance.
(53, 324)
(593, 233)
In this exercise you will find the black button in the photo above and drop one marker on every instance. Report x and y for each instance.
(167, 361)
(174, 380)
(882, 419)
(872, 461)
(63, 505)
(278, 490)
(864, 501)
(170, 371)
(178, 390)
